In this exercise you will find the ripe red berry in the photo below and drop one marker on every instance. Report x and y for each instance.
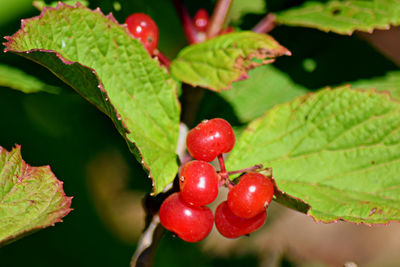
(198, 183)
(232, 226)
(201, 20)
(142, 27)
(189, 222)
(209, 139)
(251, 195)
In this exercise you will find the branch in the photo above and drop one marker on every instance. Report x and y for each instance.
(250, 169)
(218, 17)
(265, 25)
(148, 243)
(151, 236)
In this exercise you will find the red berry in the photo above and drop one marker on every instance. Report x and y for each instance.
(232, 226)
(189, 222)
(201, 20)
(251, 195)
(142, 27)
(198, 183)
(209, 139)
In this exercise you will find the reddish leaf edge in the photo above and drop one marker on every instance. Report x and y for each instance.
(110, 16)
(261, 54)
(66, 200)
(245, 64)
(302, 206)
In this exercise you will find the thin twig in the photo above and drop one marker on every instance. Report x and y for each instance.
(250, 169)
(187, 23)
(230, 184)
(218, 17)
(265, 25)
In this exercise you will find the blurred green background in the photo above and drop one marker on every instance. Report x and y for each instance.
(86, 152)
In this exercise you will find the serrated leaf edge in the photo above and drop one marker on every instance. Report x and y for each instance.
(66, 200)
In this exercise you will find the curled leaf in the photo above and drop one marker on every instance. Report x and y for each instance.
(217, 63)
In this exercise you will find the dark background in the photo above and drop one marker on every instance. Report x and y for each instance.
(86, 152)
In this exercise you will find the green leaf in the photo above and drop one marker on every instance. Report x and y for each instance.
(215, 64)
(266, 87)
(242, 7)
(343, 17)
(390, 82)
(336, 150)
(19, 80)
(100, 60)
(31, 198)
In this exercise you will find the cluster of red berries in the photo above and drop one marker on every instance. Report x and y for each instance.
(185, 212)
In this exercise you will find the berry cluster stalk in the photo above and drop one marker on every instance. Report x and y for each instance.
(250, 169)
(224, 174)
(218, 17)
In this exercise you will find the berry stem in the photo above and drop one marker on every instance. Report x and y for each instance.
(222, 164)
(224, 174)
(230, 184)
(249, 169)
(218, 17)
(163, 59)
(188, 27)
(265, 25)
